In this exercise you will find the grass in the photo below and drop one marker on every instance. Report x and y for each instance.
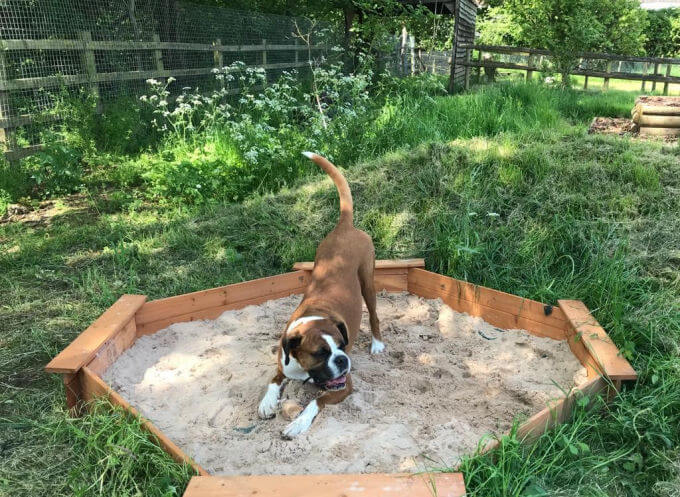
(501, 187)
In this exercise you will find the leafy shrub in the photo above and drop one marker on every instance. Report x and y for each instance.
(55, 170)
(5, 200)
(226, 145)
(123, 127)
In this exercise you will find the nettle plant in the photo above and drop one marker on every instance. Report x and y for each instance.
(267, 123)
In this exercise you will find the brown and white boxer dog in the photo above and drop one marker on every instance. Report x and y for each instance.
(322, 330)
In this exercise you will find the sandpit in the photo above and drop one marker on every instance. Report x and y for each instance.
(445, 380)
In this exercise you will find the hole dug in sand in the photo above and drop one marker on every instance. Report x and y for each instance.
(444, 381)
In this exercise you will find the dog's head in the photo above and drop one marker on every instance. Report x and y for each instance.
(318, 346)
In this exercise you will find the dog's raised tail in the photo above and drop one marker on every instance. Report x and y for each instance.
(346, 205)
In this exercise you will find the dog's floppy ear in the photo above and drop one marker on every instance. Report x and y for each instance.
(343, 331)
(288, 344)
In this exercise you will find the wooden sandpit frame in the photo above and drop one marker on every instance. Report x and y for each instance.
(83, 362)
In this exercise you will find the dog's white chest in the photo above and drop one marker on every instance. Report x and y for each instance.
(293, 370)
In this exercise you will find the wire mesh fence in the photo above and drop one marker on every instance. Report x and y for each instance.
(52, 48)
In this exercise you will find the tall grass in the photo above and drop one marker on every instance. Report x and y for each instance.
(501, 187)
(119, 149)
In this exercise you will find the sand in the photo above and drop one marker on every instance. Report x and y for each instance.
(445, 380)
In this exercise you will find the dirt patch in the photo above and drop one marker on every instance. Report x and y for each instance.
(445, 380)
(612, 126)
(43, 213)
(665, 101)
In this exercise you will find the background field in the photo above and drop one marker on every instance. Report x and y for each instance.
(501, 187)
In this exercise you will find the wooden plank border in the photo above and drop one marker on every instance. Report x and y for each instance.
(379, 264)
(209, 304)
(329, 485)
(498, 308)
(585, 328)
(81, 350)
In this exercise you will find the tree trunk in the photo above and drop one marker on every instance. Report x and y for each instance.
(350, 13)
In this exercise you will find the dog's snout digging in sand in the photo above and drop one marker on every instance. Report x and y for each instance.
(320, 333)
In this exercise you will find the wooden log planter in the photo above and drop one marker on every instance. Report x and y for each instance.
(659, 116)
(83, 362)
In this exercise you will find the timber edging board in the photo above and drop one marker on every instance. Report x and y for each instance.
(585, 327)
(81, 350)
(331, 485)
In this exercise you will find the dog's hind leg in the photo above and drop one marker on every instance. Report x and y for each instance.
(366, 275)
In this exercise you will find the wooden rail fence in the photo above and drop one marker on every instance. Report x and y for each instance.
(90, 77)
(534, 63)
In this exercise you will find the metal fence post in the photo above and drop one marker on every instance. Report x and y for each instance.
(665, 83)
(7, 134)
(90, 67)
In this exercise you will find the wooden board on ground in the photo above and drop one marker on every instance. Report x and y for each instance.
(334, 485)
(84, 348)
(596, 340)
(379, 264)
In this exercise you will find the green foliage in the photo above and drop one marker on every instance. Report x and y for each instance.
(568, 27)
(123, 127)
(5, 200)
(498, 26)
(663, 33)
(223, 146)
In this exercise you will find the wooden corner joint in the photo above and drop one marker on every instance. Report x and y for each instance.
(604, 352)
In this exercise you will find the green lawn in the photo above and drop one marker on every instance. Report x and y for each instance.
(598, 83)
(502, 187)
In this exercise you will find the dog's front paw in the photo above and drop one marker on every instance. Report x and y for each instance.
(270, 402)
(302, 423)
(377, 346)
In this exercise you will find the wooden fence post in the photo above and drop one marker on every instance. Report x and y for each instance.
(656, 73)
(530, 63)
(644, 73)
(264, 59)
(585, 82)
(7, 134)
(90, 67)
(402, 54)
(479, 66)
(158, 55)
(665, 84)
(218, 57)
(297, 52)
(412, 48)
(467, 69)
(605, 85)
